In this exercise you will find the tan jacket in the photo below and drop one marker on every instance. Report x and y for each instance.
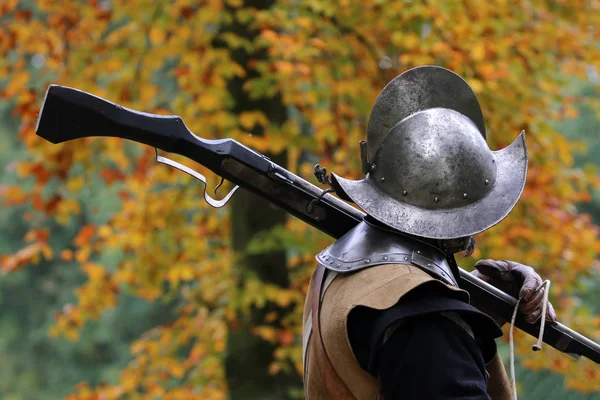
(378, 287)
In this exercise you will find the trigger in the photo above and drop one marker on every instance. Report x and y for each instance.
(219, 185)
(212, 202)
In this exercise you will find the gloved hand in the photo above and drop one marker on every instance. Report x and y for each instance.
(520, 281)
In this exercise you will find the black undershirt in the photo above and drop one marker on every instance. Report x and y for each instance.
(428, 356)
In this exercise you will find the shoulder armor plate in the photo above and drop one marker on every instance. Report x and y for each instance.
(366, 245)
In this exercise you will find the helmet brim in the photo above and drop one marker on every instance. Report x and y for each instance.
(511, 163)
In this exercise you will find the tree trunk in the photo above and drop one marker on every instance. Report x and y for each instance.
(248, 356)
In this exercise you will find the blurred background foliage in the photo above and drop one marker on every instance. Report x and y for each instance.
(118, 282)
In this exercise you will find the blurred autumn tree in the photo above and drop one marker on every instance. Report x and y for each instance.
(294, 79)
(38, 366)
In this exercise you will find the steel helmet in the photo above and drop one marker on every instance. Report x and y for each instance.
(429, 170)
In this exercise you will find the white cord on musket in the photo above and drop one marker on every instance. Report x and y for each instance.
(536, 347)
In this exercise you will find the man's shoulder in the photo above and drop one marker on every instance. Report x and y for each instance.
(367, 246)
(381, 286)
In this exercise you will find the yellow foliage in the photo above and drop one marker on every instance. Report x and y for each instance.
(95, 272)
(76, 183)
(17, 83)
(327, 61)
(249, 120)
(157, 35)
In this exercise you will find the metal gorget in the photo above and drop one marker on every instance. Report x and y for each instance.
(367, 245)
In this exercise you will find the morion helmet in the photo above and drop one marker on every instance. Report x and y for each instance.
(429, 170)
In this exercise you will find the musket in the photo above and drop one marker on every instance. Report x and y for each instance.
(69, 114)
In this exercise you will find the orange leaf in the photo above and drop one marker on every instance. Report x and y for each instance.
(85, 235)
(66, 255)
(110, 175)
(22, 257)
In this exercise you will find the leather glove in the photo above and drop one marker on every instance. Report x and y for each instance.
(519, 281)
